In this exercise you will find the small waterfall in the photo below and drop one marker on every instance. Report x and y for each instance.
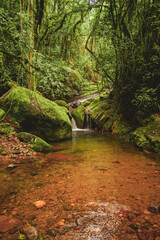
(76, 129)
(87, 121)
(74, 125)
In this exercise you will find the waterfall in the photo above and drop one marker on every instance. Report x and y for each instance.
(87, 121)
(74, 125)
(75, 128)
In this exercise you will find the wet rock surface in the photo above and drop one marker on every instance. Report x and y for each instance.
(8, 223)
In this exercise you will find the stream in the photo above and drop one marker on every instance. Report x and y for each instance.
(94, 187)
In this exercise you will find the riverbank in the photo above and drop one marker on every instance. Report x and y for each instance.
(144, 132)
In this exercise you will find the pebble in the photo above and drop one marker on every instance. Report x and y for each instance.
(40, 203)
(11, 166)
(31, 233)
(154, 208)
(52, 233)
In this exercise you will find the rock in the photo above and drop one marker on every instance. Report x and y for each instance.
(148, 137)
(2, 113)
(11, 166)
(7, 223)
(62, 103)
(79, 115)
(120, 126)
(37, 144)
(40, 203)
(37, 115)
(154, 208)
(31, 233)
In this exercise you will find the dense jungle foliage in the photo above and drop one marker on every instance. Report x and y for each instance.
(62, 48)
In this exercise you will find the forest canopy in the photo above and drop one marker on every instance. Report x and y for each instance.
(62, 48)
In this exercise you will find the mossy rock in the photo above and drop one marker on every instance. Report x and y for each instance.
(100, 113)
(79, 115)
(62, 103)
(148, 137)
(2, 113)
(6, 128)
(120, 126)
(37, 144)
(37, 115)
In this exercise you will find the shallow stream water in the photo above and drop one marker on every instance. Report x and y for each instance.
(94, 187)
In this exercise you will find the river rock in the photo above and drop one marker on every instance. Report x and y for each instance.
(40, 203)
(33, 113)
(154, 208)
(7, 223)
(37, 144)
(79, 115)
(31, 233)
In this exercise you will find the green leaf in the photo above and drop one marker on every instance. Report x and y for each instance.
(21, 237)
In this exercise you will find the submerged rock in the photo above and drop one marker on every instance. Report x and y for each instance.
(154, 208)
(35, 114)
(31, 233)
(37, 144)
(7, 223)
(39, 204)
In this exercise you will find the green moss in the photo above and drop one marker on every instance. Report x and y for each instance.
(100, 113)
(120, 127)
(6, 128)
(37, 144)
(2, 113)
(148, 137)
(79, 114)
(108, 125)
(37, 115)
(62, 103)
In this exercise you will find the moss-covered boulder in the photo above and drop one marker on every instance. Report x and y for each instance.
(2, 113)
(148, 137)
(79, 115)
(62, 103)
(100, 113)
(120, 127)
(6, 128)
(37, 115)
(37, 144)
